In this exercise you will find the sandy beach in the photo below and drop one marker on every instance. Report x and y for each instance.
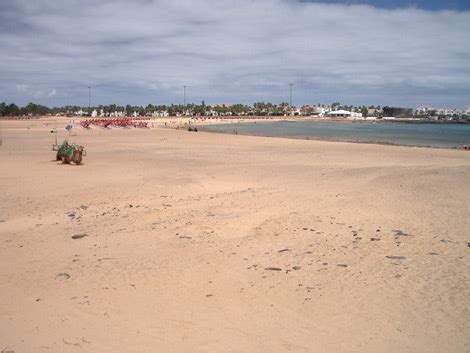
(166, 240)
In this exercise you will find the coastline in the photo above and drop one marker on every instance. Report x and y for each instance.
(331, 140)
(210, 128)
(206, 123)
(202, 120)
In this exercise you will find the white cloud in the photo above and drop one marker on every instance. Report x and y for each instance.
(230, 51)
(22, 87)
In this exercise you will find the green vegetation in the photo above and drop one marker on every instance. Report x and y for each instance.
(257, 109)
(398, 112)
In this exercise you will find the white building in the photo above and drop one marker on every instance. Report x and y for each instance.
(344, 114)
(319, 111)
(158, 113)
(117, 114)
(423, 109)
(449, 112)
(293, 111)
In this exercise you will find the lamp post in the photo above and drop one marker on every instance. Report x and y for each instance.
(290, 98)
(89, 99)
(184, 100)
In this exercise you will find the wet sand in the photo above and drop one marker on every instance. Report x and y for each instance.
(174, 241)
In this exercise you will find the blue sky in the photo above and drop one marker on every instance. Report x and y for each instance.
(224, 51)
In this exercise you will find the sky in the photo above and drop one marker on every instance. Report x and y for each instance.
(400, 53)
(458, 5)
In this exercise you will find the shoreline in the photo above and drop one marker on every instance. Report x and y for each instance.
(204, 129)
(183, 123)
(333, 140)
(203, 120)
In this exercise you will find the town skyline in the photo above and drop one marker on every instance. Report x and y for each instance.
(255, 109)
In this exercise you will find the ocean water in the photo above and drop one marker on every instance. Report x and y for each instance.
(431, 135)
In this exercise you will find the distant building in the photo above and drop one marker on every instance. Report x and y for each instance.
(449, 112)
(343, 114)
(374, 111)
(295, 111)
(467, 109)
(160, 113)
(423, 109)
(318, 111)
(117, 114)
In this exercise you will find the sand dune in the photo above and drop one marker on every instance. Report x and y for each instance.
(200, 242)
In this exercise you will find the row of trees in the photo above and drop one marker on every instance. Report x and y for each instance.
(258, 109)
(398, 112)
(30, 109)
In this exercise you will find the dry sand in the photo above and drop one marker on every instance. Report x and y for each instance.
(186, 233)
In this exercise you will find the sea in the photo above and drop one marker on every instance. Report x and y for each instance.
(420, 134)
